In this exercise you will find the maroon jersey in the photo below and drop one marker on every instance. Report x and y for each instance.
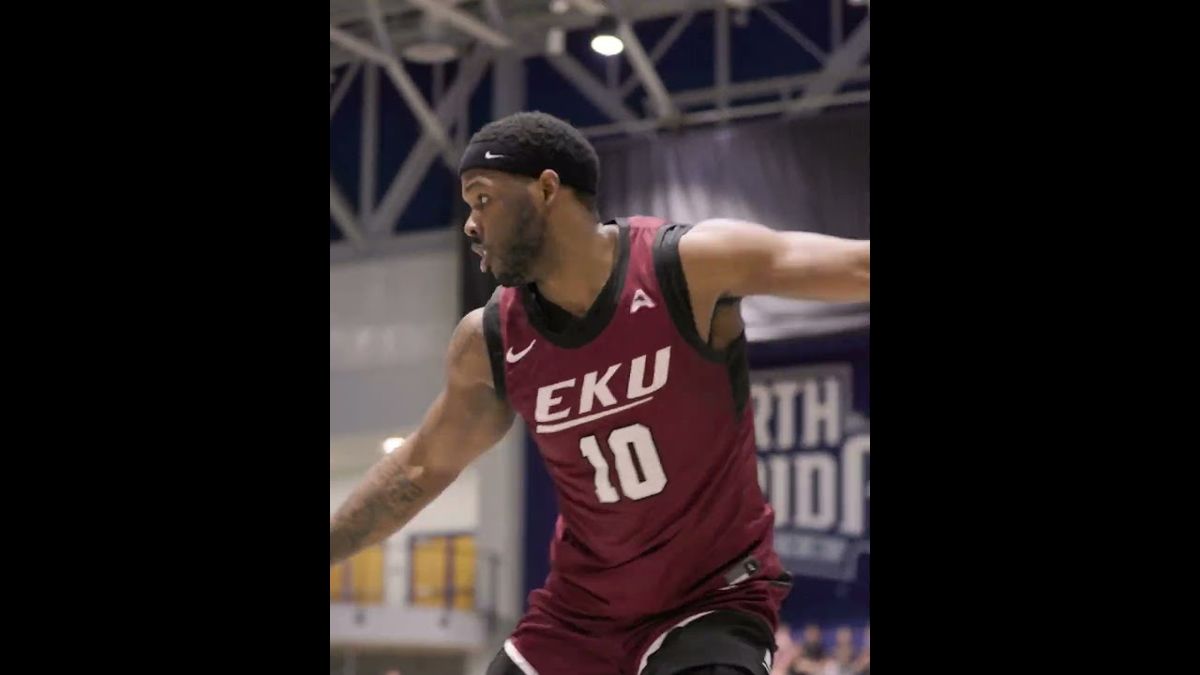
(647, 433)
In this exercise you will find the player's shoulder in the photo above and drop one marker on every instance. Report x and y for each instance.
(712, 234)
(709, 246)
(702, 234)
(470, 326)
(477, 323)
(655, 233)
(467, 356)
(477, 347)
(675, 242)
(641, 225)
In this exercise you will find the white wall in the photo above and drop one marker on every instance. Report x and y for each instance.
(390, 319)
(502, 517)
(405, 628)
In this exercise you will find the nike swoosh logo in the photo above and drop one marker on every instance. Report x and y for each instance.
(489, 155)
(513, 358)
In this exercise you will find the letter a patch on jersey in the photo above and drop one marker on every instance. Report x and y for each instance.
(640, 300)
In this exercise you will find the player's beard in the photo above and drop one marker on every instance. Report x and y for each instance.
(523, 251)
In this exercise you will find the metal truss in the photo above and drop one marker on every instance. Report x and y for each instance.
(366, 36)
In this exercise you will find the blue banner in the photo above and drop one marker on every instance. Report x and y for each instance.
(812, 408)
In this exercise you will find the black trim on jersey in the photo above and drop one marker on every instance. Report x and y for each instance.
(673, 283)
(669, 270)
(495, 341)
(739, 372)
(578, 333)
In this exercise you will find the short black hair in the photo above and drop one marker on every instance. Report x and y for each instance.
(548, 136)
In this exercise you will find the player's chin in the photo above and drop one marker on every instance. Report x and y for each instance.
(508, 279)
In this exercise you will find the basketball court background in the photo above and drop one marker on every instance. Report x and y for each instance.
(758, 110)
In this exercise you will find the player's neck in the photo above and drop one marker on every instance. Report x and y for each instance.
(581, 261)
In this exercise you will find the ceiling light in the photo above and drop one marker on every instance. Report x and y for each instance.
(606, 41)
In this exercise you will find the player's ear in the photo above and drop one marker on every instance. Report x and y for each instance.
(548, 186)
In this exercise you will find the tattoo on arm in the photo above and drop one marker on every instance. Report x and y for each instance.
(395, 502)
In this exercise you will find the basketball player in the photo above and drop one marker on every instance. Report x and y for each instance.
(621, 346)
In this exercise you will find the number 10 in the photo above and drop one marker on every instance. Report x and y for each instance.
(619, 442)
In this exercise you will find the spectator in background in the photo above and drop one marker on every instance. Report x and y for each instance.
(812, 656)
(844, 661)
(786, 650)
(844, 636)
(863, 662)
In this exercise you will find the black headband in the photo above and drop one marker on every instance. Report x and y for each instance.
(511, 157)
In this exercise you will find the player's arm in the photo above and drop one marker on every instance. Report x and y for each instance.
(723, 258)
(465, 420)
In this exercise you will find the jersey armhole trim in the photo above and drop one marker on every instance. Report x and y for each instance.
(495, 342)
(668, 268)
